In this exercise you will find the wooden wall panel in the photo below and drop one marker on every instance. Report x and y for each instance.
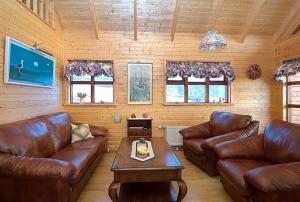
(248, 97)
(20, 102)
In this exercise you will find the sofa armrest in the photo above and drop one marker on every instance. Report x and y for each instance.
(243, 148)
(210, 142)
(251, 130)
(280, 177)
(98, 130)
(35, 168)
(197, 131)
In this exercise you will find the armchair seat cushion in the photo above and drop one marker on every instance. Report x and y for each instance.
(233, 171)
(195, 145)
(80, 155)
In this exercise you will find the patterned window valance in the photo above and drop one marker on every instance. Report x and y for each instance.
(288, 68)
(200, 69)
(89, 67)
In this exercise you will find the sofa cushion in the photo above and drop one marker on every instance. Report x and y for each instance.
(81, 132)
(226, 122)
(281, 142)
(60, 128)
(233, 170)
(195, 145)
(81, 154)
(26, 138)
(97, 143)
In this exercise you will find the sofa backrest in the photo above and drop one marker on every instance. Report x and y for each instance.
(59, 125)
(26, 138)
(282, 142)
(226, 122)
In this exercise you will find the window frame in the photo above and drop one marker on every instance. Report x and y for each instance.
(285, 92)
(290, 106)
(206, 83)
(92, 83)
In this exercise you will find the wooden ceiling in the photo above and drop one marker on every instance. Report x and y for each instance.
(240, 17)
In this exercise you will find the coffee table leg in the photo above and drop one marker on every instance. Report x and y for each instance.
(113, 191)
(182, 190)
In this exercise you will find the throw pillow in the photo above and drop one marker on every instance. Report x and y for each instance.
(81, 132)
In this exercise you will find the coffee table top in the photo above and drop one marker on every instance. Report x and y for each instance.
(165, 158)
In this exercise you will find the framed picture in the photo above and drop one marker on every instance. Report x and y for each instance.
(24, 65)
(139, 83)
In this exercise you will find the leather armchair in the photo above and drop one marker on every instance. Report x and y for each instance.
(262, 168)
(199, 140)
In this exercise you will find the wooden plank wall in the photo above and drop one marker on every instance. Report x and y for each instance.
(20, 102)
(248, 97)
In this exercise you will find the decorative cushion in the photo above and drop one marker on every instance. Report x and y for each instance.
(81, 132)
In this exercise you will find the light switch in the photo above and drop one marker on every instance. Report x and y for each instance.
(117, 118)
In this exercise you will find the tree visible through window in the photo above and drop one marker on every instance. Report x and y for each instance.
(194, 90)
(97, 89)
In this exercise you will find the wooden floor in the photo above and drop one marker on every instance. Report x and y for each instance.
(201, 187)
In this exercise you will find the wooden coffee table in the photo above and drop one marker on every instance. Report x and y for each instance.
(149, 180)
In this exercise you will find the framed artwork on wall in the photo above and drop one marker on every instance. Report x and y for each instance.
(24, 65)
(139, 83)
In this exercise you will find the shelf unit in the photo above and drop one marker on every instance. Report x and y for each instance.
(139, 127)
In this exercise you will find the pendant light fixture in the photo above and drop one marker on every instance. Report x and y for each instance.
(212, 40)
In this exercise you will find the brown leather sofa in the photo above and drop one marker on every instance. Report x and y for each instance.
(262, 168)
(198, 140)
(38, 162)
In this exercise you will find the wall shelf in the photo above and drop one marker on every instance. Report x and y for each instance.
(139, 127)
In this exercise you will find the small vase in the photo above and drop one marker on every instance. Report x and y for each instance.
(81, 100)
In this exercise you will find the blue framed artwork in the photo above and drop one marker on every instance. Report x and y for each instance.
(24, 65)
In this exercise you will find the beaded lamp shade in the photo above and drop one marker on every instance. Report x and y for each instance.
(213, 41)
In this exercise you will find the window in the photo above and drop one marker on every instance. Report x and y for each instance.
(97, 89)
(293, 98)
(194, 90)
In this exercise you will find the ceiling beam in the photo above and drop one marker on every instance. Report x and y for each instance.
(135, 20)
(251, 18)
(59, 18)
(289, 41)
(174, 21)
(287, 21)
(94, 17)
(218, 5)
(291, 28)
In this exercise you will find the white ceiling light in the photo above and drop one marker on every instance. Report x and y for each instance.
(212, 40)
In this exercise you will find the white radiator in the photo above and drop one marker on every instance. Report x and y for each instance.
(172, 135)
